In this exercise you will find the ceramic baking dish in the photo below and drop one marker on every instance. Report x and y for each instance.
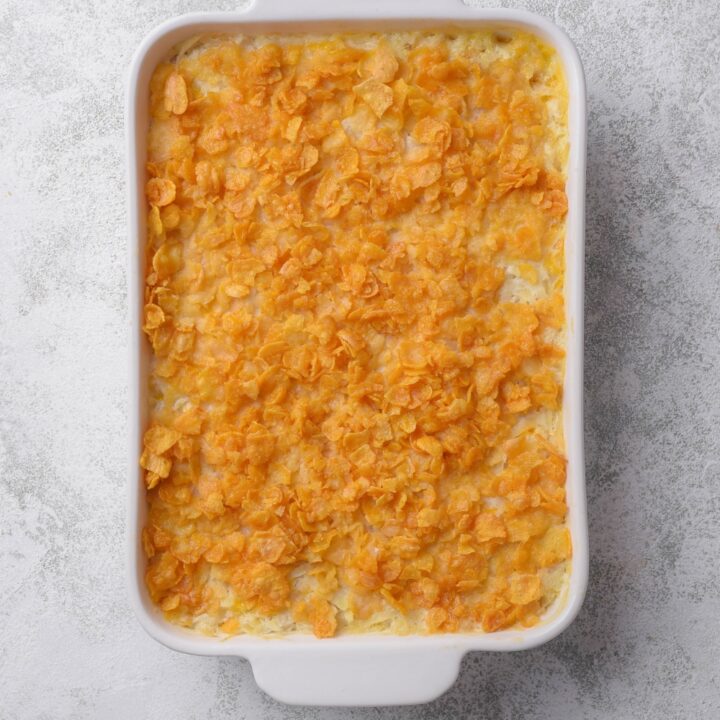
(361, 669)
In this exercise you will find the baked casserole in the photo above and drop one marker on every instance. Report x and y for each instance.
(354, 298)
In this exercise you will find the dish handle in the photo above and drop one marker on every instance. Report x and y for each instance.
(356, 674)
(309, 9)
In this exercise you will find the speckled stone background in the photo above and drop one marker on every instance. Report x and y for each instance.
(647, 642)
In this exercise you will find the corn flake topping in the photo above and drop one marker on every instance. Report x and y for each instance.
(354, 297)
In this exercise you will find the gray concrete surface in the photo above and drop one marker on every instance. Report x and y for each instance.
(647, 643)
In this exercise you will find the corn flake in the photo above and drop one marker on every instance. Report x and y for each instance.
(160, 191)
(376, 94)
(176, 96)
(382, 64)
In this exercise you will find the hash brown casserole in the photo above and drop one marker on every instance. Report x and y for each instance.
(354, 298)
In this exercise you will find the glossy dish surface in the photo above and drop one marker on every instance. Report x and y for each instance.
(368, 668)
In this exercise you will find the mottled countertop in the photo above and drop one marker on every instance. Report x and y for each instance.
(647, 642)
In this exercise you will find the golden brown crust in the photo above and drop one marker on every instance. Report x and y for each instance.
(354, 297)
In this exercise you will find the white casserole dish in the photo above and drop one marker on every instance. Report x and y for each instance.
(364, 669)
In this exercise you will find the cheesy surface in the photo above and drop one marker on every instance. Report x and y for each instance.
(354, 298)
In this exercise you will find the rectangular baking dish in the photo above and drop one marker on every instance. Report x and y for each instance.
(361, 669)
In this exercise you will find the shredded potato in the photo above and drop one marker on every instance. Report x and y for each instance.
(354, 298)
